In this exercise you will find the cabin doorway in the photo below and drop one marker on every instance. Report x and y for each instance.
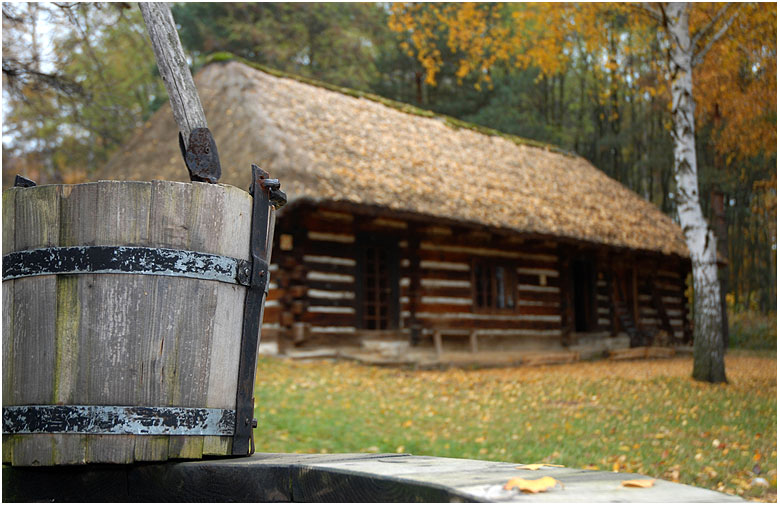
(584, 280)
(377, 294)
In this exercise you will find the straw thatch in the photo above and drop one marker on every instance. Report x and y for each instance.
(329, 146)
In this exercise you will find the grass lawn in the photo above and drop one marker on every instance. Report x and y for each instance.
(636, 416)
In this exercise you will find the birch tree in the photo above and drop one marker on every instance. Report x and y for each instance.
(674, 37)
(686, 50)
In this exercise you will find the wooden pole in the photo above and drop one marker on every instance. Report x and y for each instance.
(185, 103)
(473, 341)
(437, 343)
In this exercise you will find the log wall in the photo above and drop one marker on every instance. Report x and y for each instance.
(315, 281)
(446, 299)
(665, 310)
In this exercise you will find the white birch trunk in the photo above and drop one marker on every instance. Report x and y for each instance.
(708, 364)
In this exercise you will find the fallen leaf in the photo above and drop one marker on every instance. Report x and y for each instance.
(536, 467)
(531, 486)
(638, 483)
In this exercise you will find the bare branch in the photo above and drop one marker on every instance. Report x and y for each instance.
(646, 9)
(699, 56)
(10, 15)
(18, 72)
(707, 29)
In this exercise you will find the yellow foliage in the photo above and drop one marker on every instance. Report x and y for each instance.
(735, 84)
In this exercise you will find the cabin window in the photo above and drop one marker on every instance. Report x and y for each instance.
(377, 296)
(495, 286)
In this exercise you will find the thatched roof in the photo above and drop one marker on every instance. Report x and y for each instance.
(329, 146)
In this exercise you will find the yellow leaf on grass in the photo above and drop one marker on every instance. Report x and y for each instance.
(536, 467)
(638, 483)
(532, 486)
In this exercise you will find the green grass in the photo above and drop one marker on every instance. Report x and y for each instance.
(646, 417)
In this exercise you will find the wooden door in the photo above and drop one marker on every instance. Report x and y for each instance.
(377, 297)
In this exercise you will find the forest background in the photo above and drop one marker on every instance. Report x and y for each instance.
(78, 79)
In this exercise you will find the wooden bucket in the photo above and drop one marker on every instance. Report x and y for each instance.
(122, 367)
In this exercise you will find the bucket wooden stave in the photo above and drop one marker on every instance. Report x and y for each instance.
(122, 339)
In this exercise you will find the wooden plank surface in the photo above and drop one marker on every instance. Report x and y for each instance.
(226, 337)
(116, 309)
(333, 478)
(9, 212)
(29, 344)
(34, 317)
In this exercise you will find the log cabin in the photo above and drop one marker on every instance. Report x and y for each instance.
(403, 224)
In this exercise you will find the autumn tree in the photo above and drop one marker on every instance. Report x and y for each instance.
(671, 42)
(74, 96)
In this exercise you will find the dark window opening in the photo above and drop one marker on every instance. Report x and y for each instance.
(583, 276)
(494, 285)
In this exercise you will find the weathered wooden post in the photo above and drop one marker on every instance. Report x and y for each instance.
(132, 310)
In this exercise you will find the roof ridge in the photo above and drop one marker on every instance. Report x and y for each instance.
(454, 123)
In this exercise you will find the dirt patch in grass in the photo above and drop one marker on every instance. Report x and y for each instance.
(643, 416)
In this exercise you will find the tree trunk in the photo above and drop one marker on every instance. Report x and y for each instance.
(708, 364)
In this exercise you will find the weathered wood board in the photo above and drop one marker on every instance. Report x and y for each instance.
(334, 478)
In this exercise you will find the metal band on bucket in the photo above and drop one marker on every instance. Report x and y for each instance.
(125, 260)
(139, 420)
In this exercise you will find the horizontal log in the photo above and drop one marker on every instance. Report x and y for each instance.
(448, 323)
(464, 257)
(319, 223)
(331, 302)
(329, 286)
(450, 266)
(330, 309)
(345, 238)
(460, 301)
(331, 319)
(661, 273)
(497, 247)
(328, 277)
(451, 283)
(469, 309)
(330, 249)
(534, 271)
(443, 274)
(350, 262)
(552, 297)
(329, 214)
(446, 291)
(330, 268)
(537, 289)
(669, 287)
(322, 330)
(525, 279)
(444, 308)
